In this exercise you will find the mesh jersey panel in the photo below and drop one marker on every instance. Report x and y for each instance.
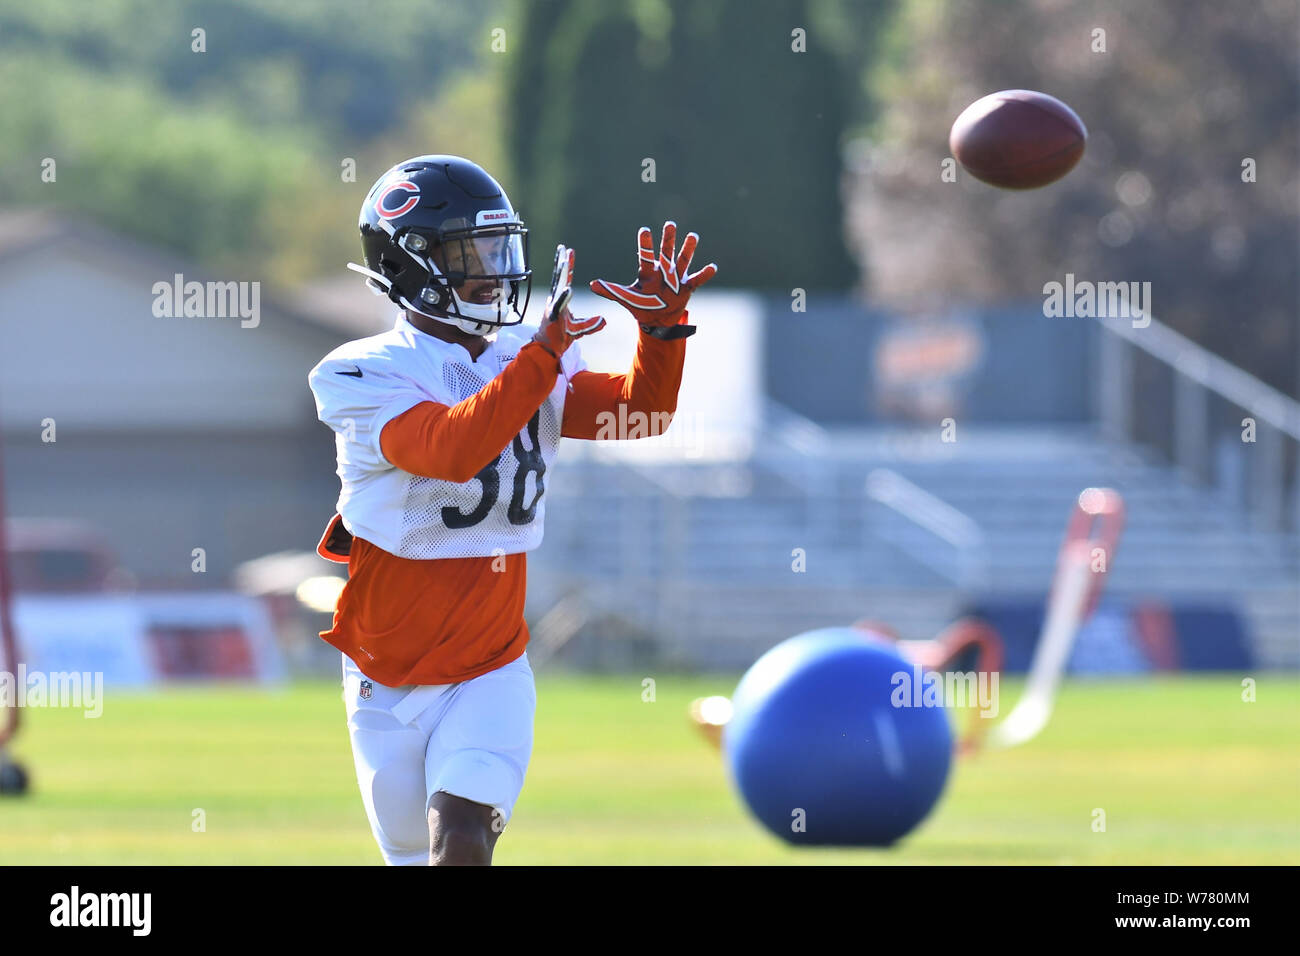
(362, 385)
(501, 510)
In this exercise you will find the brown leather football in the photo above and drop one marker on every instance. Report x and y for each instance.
(1018, 139)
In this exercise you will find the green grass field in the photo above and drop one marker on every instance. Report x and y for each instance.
(1185, 771)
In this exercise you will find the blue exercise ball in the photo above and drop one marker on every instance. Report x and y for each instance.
(820, 753)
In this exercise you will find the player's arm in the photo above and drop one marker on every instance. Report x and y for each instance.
(649, 387)
(657, 300)
(455, 442)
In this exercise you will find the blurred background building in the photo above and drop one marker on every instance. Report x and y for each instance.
(878, 419)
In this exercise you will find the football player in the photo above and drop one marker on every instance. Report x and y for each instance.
(445, 428)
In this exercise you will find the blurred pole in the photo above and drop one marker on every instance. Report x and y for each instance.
(8, 639)
(1230, 464)
(1269, 481)
(672, 542)
(1295, 494)
(821, 501)
(1115, 386)
(678, 542)
(631, 545)
(1191, 416)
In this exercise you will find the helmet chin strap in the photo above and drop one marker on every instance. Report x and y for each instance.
(468, 326)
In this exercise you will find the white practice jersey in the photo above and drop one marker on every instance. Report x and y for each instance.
(363, 385)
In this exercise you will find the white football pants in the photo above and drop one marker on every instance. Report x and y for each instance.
(472, 740)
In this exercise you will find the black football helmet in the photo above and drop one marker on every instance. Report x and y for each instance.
(440, 237)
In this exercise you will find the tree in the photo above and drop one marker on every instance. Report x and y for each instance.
(1176, 96)
(701, 113)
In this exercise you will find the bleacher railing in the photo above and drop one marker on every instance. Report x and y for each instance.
(968, 567)
(1222, 426)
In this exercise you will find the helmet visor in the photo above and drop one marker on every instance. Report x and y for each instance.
(496, 253)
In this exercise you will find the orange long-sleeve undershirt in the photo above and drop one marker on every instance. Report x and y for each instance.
(455, 442)
(407, 621)
(650, 387)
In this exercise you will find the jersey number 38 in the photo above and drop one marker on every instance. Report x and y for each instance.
(528, 460)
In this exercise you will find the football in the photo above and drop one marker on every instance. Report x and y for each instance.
(1018, 139)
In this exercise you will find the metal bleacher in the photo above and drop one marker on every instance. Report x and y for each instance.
(713, 563)
(705, 565)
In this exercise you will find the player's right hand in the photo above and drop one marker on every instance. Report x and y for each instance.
(560, 327)
(663, 286)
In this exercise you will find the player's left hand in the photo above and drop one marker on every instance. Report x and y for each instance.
(663, 284)
(559, 326)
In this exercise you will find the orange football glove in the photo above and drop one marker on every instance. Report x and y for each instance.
(658, 298)
(560, 326)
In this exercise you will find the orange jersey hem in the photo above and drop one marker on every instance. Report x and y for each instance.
(441, 621)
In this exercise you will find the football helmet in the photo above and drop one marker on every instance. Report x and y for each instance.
(440, 237)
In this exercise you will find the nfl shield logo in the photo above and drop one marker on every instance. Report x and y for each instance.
(366, 687)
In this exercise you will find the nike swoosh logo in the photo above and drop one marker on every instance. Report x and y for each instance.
(356, 374)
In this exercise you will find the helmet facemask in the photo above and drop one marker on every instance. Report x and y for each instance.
(476, 274)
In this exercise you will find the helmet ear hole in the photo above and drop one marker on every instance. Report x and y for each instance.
(390, 267)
